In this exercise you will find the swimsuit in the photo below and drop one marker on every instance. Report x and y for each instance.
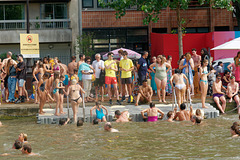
(42, 87)
(217, 95)
(205, 81)
(180, 86)
(152, 118)
(55, 89)
(56, 68)
(234, 96)
(161, 73)
(61, 90)
(76, 100)
(99, 114)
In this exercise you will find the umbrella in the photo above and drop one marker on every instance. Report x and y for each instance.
(131, 54)
(233, 44)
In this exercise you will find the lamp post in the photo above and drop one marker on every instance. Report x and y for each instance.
(28, 26)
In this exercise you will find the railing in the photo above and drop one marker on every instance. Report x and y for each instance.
(35, 24)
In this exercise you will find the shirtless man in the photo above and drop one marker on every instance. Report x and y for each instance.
(72, 65)
(121, 116)
(145, 93)
(152, 113)
(218, 94)
(232, 91)
(197, 63)
(182, 115)
(180, 86)
(108, 127)
(27, 149)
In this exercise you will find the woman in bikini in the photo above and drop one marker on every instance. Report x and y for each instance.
(74, 91)
(99, 112)
(152, 113)
(47, 66)
(42, 92)
(56, 66)
(204, 81)
(180, 87)
(160, 75)
(35, 81)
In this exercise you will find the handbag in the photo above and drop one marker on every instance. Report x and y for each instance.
(102, 77)
(93, 77)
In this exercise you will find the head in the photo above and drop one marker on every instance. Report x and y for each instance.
(107, 126)
(232, 79)
(159, 59)
(218, 78)
(235, 128)
(26, 149)
(120, 52)
(110, 55)
(75, 71)
(9, 54)
(95, 121)
(188, 56)
(170, 114)
(177, 71)
(45, 60)
(79, 123)
(204, 51)
(183, 106)
(62, 78)
(226, 73)
(98, 103)
(117, 113)
(238, 54)
(17, 144)
(125, 54)
(198, 120)
(220, 63)
(144, 83)
(56, 60)
(152, 105)
(154, 59)
(145, 54)
(20, 57)
(73, 58)
(98, 57)
(73, 81)
(82, 57)
(40, 64)
(205, 62)
(169, 58)
(194, 51)
(198, 112)
(62, 121)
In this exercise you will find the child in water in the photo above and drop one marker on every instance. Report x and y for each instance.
(196, 118)
(99, 112)
(235, 129)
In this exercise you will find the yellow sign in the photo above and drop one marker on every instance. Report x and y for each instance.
(29, 45)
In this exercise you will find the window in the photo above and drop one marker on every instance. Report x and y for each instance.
(159, 30)
(12, 12)
(221, 28)
(193, 30)
(54, 11)
(87, 3)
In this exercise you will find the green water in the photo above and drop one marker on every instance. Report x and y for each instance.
(136, 140)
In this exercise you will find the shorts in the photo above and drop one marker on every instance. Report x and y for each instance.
(126, 80)
(21, 82)
(65, 82)
(98, 82)
(110, 80)
(141, 78)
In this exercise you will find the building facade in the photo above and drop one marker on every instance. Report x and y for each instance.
(57, 23)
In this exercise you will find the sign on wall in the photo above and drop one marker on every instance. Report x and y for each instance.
(29, 45)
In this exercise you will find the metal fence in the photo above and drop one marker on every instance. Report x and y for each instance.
(35, 24)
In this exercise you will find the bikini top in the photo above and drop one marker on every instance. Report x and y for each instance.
(50, 67)
(56, 68)
(205, 72)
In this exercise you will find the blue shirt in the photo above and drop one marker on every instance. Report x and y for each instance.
(143, 66)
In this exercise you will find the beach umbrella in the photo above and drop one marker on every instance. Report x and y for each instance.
(231, 45)
(131, 54)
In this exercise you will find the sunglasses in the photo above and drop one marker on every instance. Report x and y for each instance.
(218, 78)
(88, 61)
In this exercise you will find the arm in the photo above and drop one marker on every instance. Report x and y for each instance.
(161, 112)
(224, 77)
(151, 67)
(171, 80)
(67, 121)
(92, 110)
(168, 66)
(181, 66)
(115, 68)
(108, 66)
(237, 61)
(105, 110)
(237, 88)
(229, 67)
(34, 75)
(145, 110)
(82, 91)
(140, 90)
(186, 80)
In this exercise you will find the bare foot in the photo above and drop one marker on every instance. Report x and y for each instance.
(102, 100)
(204, 107)
(57, 114)
(160, 101)
(41, 113)
(62, 112)
(28, 99)
(164, 101)
(230, 100)
(136, 104)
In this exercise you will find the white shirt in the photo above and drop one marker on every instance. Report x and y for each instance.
(97, 64)
(87, 76)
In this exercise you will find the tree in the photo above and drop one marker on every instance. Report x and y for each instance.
(153, 8)
(84, 44)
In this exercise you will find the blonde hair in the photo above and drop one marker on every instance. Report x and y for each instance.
(74, 81)
(163, 59)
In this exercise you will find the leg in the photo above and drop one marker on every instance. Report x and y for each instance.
(163, 87)
(96, 93)
(178, 96)
(102, 92)
(183, 91)
(57, 104)
(216, 100)
(236, 99)
(42, 102)
(229, 93)
(204, 93)
(85, 89)
(25, 91)
(116, 90)
(138, 98)
(74, 108)
(222, 98)
(104, 119)
(123, 89)
(158, 83)
(61, 104)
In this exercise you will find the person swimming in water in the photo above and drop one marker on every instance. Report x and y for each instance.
(63, 122)
(170, 116)
(108, 127)
(234, 130)
(99, 112)
(152, 113)
(27, 149)
(182, 115)
(121, 116)
(17, 145)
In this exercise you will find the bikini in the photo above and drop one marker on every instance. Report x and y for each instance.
(152, 118)
(99, 114)
(180, 86)
(42, 87)
(56, 68)
(55, 89)
(205, 81)
(75, 100)
(61, 90)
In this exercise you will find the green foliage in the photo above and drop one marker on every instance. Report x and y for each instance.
(84, 44)
(4, 55)
(153, 8)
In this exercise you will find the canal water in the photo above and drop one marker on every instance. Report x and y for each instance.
(136, 140)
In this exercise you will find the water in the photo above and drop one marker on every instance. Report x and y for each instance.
(136, 140)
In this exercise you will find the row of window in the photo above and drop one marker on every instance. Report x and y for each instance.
(47, 11)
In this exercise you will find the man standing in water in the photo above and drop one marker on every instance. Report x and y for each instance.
(232, 91)
(145, 93)
(218, 94)
(197, 63)
(121, 116)
(182, 115)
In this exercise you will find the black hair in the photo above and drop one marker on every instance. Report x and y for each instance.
(198, 120)
(17, 144)
(177, 71)
(62, 122)
(168, 57)
(152, 105)
(194, 49)
(117, 112)
(73, 57)
(144, 81)
(204, 50)
(87, 58)
(220, 62)
(169, 114)
(218, 75)
(110, 53)
(79, 123)
(95, 121)
(27, 147)
(225, 72)
(182, 106)
(75, 70)
(81, 56)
